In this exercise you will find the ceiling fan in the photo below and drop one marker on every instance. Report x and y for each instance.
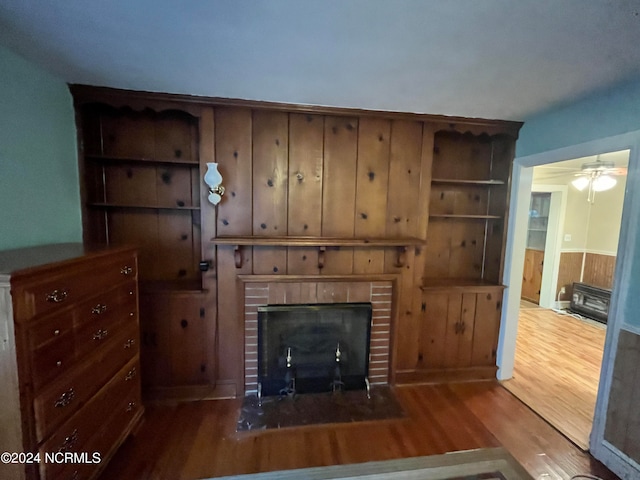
(598, 176)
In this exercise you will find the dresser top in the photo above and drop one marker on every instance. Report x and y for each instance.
(21, 260)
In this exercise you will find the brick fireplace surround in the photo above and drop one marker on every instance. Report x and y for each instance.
(294, 290)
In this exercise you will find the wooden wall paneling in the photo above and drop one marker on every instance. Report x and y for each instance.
(434, 329)
(155, 351)
(494, 250)
(371, 191)
(173, 186)
(137, 227)
(128, 134)
(425, 180)
(403, 220)
(176, 136)
(189, 340)
(90, 131)
(452, 348)
(304, 206)
(466, 254)
(233, 154)
(270, 174)
(372, 183)
(467, 319)
(403, 209)
(133, 185)
(302, 261)
(175, 257)
(599, 269)
(339, 190)
(207, 230)
(230, 325)
(438, 248)
(570, 271)
(486, 328)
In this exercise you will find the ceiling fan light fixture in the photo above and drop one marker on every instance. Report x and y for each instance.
(603, 182)
(580, 182)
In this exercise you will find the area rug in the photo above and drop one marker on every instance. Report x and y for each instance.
(318, 408)
(482, 464)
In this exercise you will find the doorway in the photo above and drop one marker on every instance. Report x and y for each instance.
(550, 375)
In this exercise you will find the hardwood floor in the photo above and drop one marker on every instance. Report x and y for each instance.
(557, 369)
(198, 440)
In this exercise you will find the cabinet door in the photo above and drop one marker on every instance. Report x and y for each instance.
(460, 329)
(532, 275)
(486, 328)
(447, 330)
(177, 340)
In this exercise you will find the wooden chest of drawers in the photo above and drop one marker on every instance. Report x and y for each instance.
(70, 358)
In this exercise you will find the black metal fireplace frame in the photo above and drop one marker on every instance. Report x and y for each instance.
(267, 386)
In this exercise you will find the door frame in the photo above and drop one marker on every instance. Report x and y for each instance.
(629, 239)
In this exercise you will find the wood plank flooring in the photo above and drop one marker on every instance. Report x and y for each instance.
(557, 369)
(198, 440)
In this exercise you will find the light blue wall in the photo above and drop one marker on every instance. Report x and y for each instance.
(605, 114)
(600, 116)
(39, 187)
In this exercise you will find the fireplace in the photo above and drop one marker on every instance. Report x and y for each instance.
(264, 292)
(312, 348)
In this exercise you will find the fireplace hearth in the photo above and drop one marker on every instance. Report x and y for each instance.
(313, 348)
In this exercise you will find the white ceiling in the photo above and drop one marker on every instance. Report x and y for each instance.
(504, 59)
(566, 170)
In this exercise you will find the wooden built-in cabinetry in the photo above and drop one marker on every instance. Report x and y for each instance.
(310, 191)
(71, 365)
(141, 185)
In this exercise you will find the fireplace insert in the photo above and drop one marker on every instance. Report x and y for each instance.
(313, 348)
(590, 301)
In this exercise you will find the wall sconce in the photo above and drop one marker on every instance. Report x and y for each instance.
(214, 180)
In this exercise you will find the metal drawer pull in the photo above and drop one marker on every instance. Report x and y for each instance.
(126, 270)
(57, 296)
(65, 399)
(69, 442)
(130, 375)
(131, 406)
(100, 334)
(99, 309)
(129, 343)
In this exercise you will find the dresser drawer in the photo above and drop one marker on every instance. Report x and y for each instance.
(75, 434)
(103, 317)
(62, 398)
(50, 329)
(63, 287)
(52, 359)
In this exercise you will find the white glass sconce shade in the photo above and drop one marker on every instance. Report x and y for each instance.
(213, 179)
